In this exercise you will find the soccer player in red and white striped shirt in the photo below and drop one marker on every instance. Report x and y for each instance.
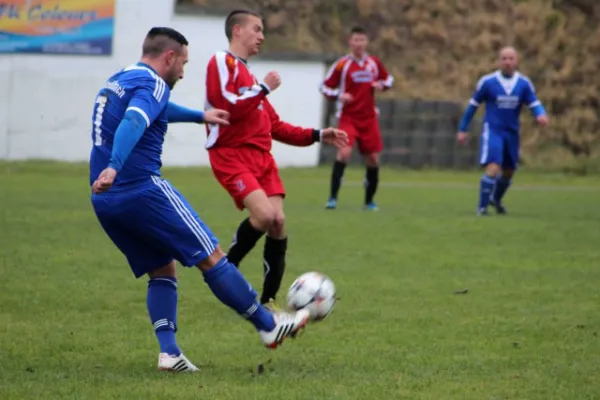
(352, 82)
(240, 153)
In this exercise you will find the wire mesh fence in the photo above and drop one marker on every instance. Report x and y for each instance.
(418, 134)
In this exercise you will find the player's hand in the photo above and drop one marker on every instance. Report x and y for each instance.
(104, 181)
(346, 98)
(334, 137)
(543, 120)
(216, 116)
(462, 137)
(272, 80)
(377, 85)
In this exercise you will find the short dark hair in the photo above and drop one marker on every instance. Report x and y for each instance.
(358, 30)
(160, 39)
(236, 17)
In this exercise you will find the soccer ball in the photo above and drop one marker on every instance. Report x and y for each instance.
(314, 292)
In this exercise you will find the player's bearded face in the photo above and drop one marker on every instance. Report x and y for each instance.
(175, 66)
(508, 63)
(358, 44)
(251, 33)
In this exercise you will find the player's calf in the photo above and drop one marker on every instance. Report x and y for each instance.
(274, 253)
(273, 266)
(502, 184)
(161, 302)
(337, 174)
(486, 186)
(262, 217)
(371, 180)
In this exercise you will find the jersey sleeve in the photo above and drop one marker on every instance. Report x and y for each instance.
(221, 89)
(531, 100)
(332, 82)
(150, 97)
(288, 133)
(384, 76)
(479, 96)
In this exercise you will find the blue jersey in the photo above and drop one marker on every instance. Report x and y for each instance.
(503, 98)
(135, 88)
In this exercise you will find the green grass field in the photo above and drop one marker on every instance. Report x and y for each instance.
(73, 322)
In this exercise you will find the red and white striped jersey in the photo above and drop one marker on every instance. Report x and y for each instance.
(253, 121)
(356, 77)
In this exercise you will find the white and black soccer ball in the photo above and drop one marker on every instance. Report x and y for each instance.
(312, 291)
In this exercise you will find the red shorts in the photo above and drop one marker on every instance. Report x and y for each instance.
(243, 170)
(365, 131)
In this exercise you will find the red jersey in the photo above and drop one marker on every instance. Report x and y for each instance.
(356, 77)
(253, 121)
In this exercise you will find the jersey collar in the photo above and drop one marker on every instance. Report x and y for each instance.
(359, 61)
(141, 64)
(236, 57)
(508, 84)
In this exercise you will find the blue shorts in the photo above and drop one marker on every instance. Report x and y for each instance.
(500, 148)
(152, 225)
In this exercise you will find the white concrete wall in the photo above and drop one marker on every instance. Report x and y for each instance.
(46, 100)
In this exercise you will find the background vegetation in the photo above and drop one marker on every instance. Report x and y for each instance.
(436, 49)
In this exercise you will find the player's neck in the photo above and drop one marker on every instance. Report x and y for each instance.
(358, 56)
(152, 63)
(239, 51)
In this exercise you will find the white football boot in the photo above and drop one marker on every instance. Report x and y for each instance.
(286, 325)
(180, 363)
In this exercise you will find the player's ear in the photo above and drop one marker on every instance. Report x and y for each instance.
(170, 57)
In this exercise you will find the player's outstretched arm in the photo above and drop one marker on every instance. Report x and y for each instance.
(177, 113)
(290, 134)
(302, 137)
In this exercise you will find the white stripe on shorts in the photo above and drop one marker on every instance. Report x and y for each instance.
(185, 215)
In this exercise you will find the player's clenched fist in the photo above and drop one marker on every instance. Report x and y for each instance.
(543, 120)
(105, 180)
(346, 98)
(216, 116)
(334, 137)
(272, 80)
(462, 137)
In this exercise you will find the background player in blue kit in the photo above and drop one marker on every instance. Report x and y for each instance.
(148, 219)
(504, 92)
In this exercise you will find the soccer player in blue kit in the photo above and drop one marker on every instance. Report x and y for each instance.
(504, 92)
(145, 216)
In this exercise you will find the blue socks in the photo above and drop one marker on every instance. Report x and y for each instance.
(485, 191)
(232, 289)
(162, 307)
(502, 185)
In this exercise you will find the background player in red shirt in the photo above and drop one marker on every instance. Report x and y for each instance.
(352, 81)
(240, 153)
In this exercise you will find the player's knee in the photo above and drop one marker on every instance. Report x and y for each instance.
(343, 154)
(168, 270)
(212, 260)
(492, 169)
(263, 217)
(372, 160)
(277, 229)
